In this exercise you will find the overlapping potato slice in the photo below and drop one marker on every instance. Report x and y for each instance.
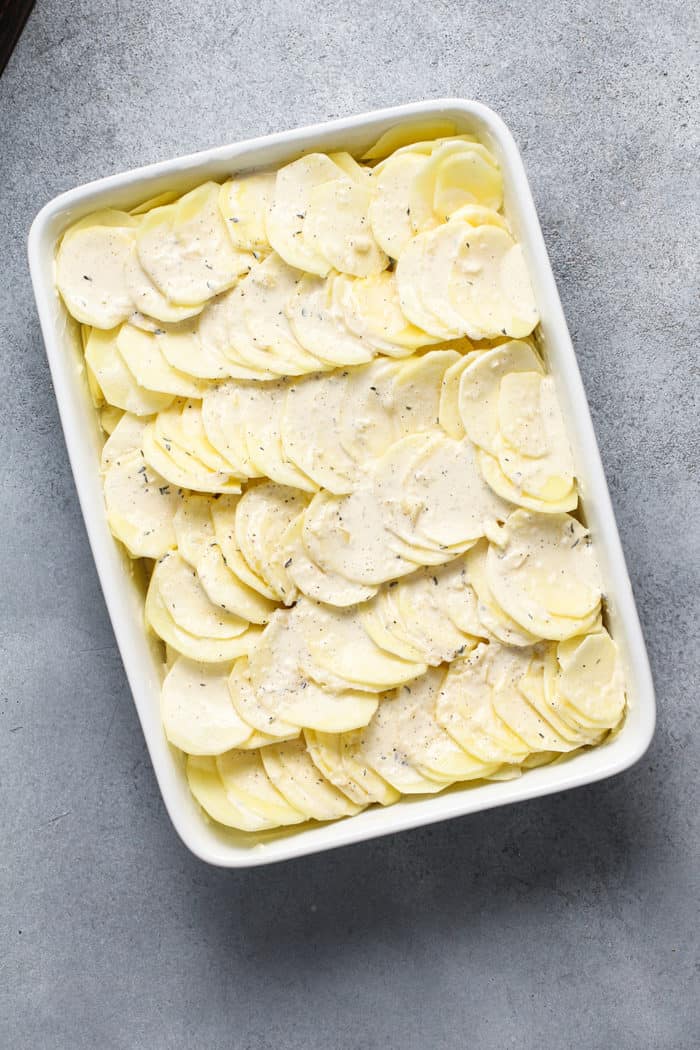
(144, 358)
(479, 389)
(371, 310)
(309, 431)
(311, 579)
(545, 574)
(147, 298)
(244, 202)
(457, 173)
(224, 335)
(504, 487)
(225, 424)
(116, 380)
(196, 709)
(181, 591)
(495, 620)
(224, 588)
(298, 779)
(126, 437)
(91, 268)
(223, 515)
(413, 131)
(286, 216)
(110, 417)
(193, 526)
(140, 506)
(381, 747)
(337, 227)
(246, 703)
(249, 788)
(260, 408)
(319, 325)
(367, 422)
(335, 755)
(263, 514)
(184, 348)
(390, 209)
(412, 272)
(426, 604)
(432, 750)
(590, 681)
(288, 693)
(448, 410)
(465, 703)
(538, 688)
(186, 251)
(196, 647)
(489, 286)
(417, 391)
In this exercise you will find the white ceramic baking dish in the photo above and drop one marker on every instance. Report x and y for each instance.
(122, 589)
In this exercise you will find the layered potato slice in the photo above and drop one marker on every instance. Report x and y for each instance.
(313, 581)
(263, 514)
(495, 621)
(251, 710)
(338, 757)
(337, 227)
(244, 202)
(319, 323)
(196, 709)
(140, 505)
(371, 309)
(286, 216)
(117, 382)
(223, 516)
(185, 248)
(150, 368)
(91, 268)
(147, 298)
(234, 790)
(545, 574)
(292, 771)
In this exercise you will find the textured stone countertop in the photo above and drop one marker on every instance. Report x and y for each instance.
(564, 922)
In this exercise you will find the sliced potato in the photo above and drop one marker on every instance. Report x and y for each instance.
(372, 311)
(247, 784)
(411, 272)
(448, 410)
(590, 679)
(223, 512)
(261, 410)
(495, 620)
(422, 603)
(193, 525)
(265, 293)
(494, 477)
(314, 582)
(337, 227)
(390, 209)
(244, 201)
(413, 131)
(91, 271)
(203, 650)
(148, 299)
(196, 709)
(226, 590)
(145, 360)
(333, 755)
(480, 386)
(286, 216)
(246, 702)
(206, 786)
(185, 248)
(263, 514)
(309, 429)
(183, 348)
(140, 506)
(367, 423)
(381, 747)
(418, 388)
(181, 591)
(117, 382)
(193, 475)
(126, 437)
(224, 419)
(546, 576)
(291, 770)
(319, 326)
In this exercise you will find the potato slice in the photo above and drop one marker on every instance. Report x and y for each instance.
(503, 487)
(196, 709)
(288, 693)
(495, 620)
(140, 506)
(110, 418)
(371, 310)
(489, 286)
(381, 621)
(418, 389)
(187, 602)
(390, 208)
(314, 582)
(478, 215)
(286, 217)
(468, 177)
(116, 380)
(480, 386)
(414, 266)
(224, 334)
(148, 299)
(226, 590)
(367, 424)
(250, 709)
(429, 747)
(513, 708)
(334, 754)
(411, 132)
(261, 410)
(265, 293)
(223, 512)
(546, 576)
(244, 201)
(533, 448)
(338, 651)
(448, 409)
(183, 348)
(319, 326)
(225, 423)
(422, 604)
(193, 526)
(186, 251)
(590, 679)
(160, 456)
(206, 786)
(548, 705)
(262, 517)
(309, 432)
(126, 437)
(145, 360)
(464, 705)
(291, 770)
(91, 271)
(203, 650)
(337, 227)
(247, 784)
(381, 748)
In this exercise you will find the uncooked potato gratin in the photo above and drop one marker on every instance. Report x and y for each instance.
(334, 444)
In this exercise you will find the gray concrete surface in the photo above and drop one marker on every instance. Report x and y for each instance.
(567, 922)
